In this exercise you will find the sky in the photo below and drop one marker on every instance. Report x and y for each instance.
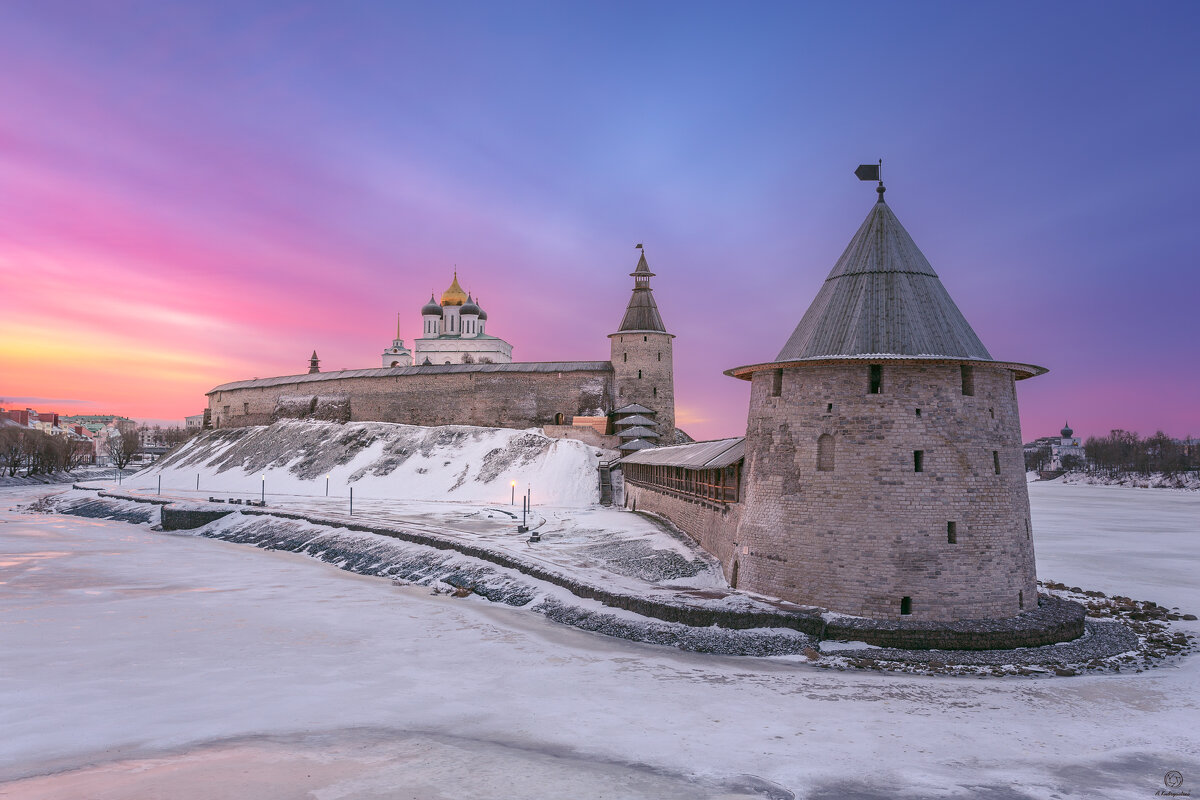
(195, 193)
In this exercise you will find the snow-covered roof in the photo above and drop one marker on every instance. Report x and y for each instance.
(697, 455)
(637, 432)
(636, 444)
(424, 369)
(637, 420)
(633, 408)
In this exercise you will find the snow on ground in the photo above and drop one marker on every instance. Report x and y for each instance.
(137, 664)
(383, 460)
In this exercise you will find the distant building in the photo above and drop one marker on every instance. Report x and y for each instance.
(453, 331)
(194, 422)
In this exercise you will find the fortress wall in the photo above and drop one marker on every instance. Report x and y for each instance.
(499, 399)
(582, 433)
(873, 530)
(712, 525)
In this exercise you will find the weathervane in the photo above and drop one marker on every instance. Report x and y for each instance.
(872, 172)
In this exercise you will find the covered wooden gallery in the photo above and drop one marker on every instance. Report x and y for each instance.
(709, 471)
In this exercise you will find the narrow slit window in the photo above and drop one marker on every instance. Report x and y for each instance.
(829, 408)
(952, 532)
(875, 378)
(776, 383)
(825, 453)
(918, 412)
(624, 358)
(992, 412)
(639, 374)
(1020, 599)
(918, 460)
(996, 460)
(245, 408)
(656, 391)
(968, 380)
(660, 356)
(905, 606)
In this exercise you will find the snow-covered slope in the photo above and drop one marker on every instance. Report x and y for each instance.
(384, 460)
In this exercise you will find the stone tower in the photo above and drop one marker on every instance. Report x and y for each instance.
(643, 367)
(314, 364)
(885, 475)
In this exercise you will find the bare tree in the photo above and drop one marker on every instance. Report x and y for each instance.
(122, 445)
(10, 450)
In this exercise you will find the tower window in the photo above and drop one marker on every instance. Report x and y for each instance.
(639, 374)
(996, 460)
(968, 380)
(776, 383)
(624, 358)
(992, 412)
(660, 356)
(952, 532)
(245, 408)
(875, 375)
(645, 338)
(918, 412)
(905, 606)
(656, 391)
(825, 453)
(1020, 599)
(918, 460)
(829, 408)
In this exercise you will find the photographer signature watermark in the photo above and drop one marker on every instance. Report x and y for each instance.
(1173, 781)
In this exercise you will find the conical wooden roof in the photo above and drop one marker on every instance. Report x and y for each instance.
(642, 312)
(882, 298)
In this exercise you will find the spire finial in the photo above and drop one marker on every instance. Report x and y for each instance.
(397, 324)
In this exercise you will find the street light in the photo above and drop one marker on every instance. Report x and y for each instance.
(513, 501)
(327, 486)
(263, 500)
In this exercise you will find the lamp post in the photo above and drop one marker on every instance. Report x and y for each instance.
(159, 484)
(327, 486)
(513, 500)
(263, 499)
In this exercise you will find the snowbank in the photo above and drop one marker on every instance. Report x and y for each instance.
(1155, 480)
(385, 460)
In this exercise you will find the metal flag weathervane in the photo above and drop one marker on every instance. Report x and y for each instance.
(872, 172)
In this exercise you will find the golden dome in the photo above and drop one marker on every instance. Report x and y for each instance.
(454, 296)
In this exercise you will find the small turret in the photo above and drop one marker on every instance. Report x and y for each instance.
(314, 363)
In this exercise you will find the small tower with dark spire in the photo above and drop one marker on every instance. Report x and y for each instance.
(314, 363)
(643, 364)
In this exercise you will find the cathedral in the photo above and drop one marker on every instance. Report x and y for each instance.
(453, 331)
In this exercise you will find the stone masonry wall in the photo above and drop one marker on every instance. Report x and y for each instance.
(643, 372)
(859, 538)
(499, 399)
(713, 525)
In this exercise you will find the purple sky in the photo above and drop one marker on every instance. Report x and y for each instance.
(192, 193)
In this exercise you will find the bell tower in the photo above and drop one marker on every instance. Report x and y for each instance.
(643, 365)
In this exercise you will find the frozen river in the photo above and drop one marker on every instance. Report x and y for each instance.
(136, 664)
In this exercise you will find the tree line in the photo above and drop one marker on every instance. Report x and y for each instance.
(1124, 452)
(27, 451)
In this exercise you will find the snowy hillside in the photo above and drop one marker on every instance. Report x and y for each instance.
(384, 460)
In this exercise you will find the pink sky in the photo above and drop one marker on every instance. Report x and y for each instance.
(193, 195)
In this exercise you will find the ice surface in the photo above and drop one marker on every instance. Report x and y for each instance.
(183, 667)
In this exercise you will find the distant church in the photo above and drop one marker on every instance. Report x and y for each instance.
(453, 331)
(459, 374)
